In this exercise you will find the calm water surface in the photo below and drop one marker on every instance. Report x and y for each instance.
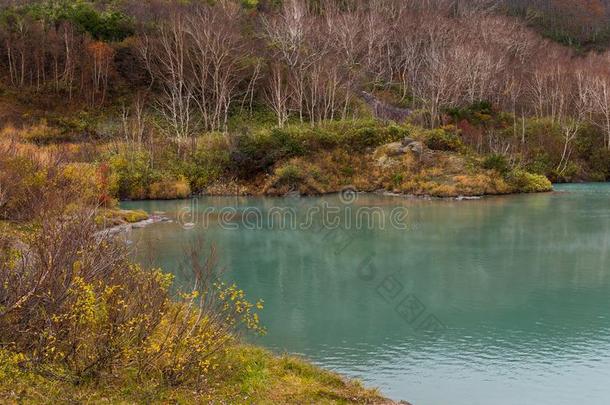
(505, 300)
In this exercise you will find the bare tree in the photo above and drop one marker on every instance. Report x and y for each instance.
(101, 57)
(217, 56)
(169, 65)
(287, 34)
(597, 93)
(277, 94)
(134, 125)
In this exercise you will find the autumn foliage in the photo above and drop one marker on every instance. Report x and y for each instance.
(158, 75)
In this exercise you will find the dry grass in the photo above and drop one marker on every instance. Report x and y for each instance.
(169, 190)
(435, 173)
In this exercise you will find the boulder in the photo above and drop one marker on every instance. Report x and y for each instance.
(406, 141)
(394, 149)
(415, 147)
(386, 153)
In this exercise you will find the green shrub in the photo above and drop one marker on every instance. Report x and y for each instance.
(261, 117)
(76, 125)
(599, 162)
(137, 180)
(479, 112)
(439, 139)
(496, 162)
(360, 135)
(397, 179)
(207, 164)
(105, 25)
(530, 183)
(286, 141)
(258, 152)
(289, 174)
(540, 164)
(323, 138)
(396, 132)
(568, 173)
(592, 149)
(134, 174)
(363, 138)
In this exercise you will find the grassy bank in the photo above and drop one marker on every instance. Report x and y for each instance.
(372, 156)
(260, 159)
(247, 375)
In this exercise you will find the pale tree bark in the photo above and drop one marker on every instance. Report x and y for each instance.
(572, 124)
(277, 95)
(169, 64)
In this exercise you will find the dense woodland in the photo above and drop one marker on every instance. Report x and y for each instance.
(513, 80)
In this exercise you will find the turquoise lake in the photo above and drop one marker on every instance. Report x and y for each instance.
(502, 300)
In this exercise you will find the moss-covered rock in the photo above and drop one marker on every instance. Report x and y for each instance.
(114, 217)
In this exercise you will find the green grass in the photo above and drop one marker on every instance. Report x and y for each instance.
(248, 375)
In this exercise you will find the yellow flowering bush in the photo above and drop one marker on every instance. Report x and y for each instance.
(200, 327)
(76, 308)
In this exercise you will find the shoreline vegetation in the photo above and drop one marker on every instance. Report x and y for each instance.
(81, 322)
(366, 155)
(128, 100)
(248, 375)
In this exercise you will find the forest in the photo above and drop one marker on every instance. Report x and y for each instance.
(183, 96)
